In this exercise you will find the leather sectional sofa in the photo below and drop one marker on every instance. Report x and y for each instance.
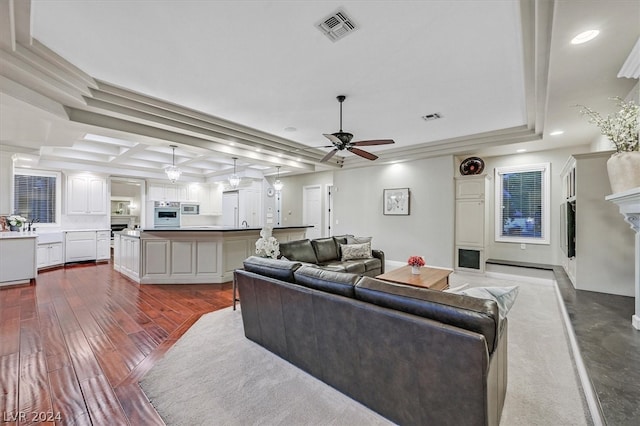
(326, 254)
(416, 356)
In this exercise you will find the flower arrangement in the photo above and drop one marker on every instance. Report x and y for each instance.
(267, 245)
(16, 220)
(622, 128)
(416, 261)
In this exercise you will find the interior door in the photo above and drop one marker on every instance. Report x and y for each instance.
(312, 210)
(230, 206)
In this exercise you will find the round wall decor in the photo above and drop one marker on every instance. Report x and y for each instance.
(471, 166)
(270, 192)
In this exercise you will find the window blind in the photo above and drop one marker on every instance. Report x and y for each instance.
(522, 195)
(35, 197)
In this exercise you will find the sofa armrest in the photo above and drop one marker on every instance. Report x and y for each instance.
(379, 254)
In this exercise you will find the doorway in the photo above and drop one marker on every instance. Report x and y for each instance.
(312, 210)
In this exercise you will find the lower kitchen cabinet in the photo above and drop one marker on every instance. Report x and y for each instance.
(49, 254)
(103, 245)
(80, 246)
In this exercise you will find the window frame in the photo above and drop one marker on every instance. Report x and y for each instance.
(45, 173)
(545, 198)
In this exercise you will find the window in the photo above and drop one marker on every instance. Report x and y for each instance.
(522, 204)
(36, 195)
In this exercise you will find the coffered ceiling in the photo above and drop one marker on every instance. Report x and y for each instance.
(110, 85)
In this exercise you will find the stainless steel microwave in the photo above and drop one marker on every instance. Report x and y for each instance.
(189, 208)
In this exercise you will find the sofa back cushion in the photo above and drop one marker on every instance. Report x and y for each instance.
(341, 283)
(477, 315)
(300, 250)
(325, 249)
(278, 269)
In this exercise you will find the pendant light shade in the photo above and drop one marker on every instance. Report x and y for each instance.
(278, 185)
(234, 179)
(173, 172)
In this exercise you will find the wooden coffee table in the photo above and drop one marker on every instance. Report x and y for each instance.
(431, 278)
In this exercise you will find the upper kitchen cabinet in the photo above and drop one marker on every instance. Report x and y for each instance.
(167, 192)
(86, 195)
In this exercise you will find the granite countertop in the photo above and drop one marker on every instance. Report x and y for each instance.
(221, 228)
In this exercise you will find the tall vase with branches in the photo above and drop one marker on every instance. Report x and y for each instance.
(622, 129)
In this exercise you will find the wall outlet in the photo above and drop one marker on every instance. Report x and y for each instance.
(336, 221)
(523, 246)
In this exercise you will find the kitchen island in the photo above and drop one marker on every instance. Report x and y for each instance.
(17, 258)
(189, 255)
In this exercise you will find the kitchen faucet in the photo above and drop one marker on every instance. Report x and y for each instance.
(244, 224)
(31, 222)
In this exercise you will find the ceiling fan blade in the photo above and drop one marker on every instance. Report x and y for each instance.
(363, 154)
(329, 155)
(332, 138)
(373, 142)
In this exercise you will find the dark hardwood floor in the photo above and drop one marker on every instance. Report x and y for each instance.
(74, 345)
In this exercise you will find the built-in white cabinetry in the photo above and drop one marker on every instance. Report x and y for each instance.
(126, 255)
(103, 245)
(18, 263)
(50, 249)
(600, 257)
(250, 207)
(86, 195)
(167, 192)
(210, 199)
(80, 246)
(470, 222)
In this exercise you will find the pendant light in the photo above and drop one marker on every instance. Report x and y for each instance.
(278, 185)
(173, 172)
(234, 179)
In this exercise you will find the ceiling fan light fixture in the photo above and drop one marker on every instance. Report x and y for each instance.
(234, 179)
(173, 172)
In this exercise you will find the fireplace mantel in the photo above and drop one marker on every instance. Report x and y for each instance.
(629, 204)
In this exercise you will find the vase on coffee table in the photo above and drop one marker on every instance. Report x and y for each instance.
(415, 270)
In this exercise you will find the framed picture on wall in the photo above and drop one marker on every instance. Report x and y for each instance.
(395, 201)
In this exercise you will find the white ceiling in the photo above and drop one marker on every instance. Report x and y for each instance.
(501, 73)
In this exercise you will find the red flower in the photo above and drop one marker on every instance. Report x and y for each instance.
(416, 261)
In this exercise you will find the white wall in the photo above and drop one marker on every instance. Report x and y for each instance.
(6, 172)
(535, 253)
(427, 231)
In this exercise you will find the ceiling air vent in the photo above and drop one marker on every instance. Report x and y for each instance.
(337, 25)
(430, 117)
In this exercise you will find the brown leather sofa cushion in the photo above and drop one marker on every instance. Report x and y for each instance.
(278, 269)
(325, 249)
(332, 282)
(477, 315)
(300, 250)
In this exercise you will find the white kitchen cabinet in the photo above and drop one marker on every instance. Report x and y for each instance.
(471, 222)
(86, 195)
(211, 200)
(80, 246)
(130, 256)
(250, 207)
(103, 245)
(49, 254)
(167, 192)
(18, 264)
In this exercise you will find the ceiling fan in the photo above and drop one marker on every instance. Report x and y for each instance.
(342, 140)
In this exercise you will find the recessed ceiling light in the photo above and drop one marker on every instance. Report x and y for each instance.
(290, 129)
(232, 143)
(298, 159)
(585, 36)
(280, 155)
(521, 150)
(556, 132)
(258, 149)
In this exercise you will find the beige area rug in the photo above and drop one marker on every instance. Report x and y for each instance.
(215, 376)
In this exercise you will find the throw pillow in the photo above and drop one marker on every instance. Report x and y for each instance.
(358, 240)
(355, 251)
(504, 296)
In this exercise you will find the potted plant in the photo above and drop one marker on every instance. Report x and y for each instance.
(622, 130)
(416, 262)
(267, 245)
(16, 222)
